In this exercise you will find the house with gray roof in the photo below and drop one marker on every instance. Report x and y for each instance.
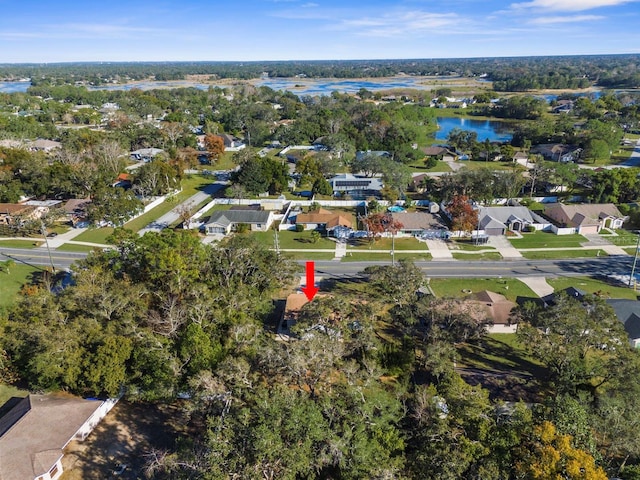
(415, 223)
(628, 312)
(499, 220)
(146, 154)
(36, 429)
(227, 221)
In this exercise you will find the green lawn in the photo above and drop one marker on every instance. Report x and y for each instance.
(310, 255)
(468, 246)
(461, 287)
(500, 352)
(386, 243)
(481, 165)
(26, 243)
(11, 283)
(609, 289)
(553, 254)
(297, 240)
(477, 256)
(623, 238)
(540, 239)
(95, 235)
(363, 256)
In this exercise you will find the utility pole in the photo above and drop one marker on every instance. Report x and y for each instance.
(46, 241)
(635, 260)
(276, 242)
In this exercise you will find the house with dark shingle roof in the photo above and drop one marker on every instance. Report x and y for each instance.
(498, 309)
(441, 153)
(227, 221)
(628, 312)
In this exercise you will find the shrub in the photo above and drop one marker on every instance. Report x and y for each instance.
(299, 227)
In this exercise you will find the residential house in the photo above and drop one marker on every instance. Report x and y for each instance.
(499, 220)
(586, 218)
(571, 292)
(498, 309)
(562, 106)
(10, 212)
(123, 180)
(521, 158)
(146, 154)
(231, 143)
(441, 153)
(416, 223)
(293, 305)
(322, 219)
(35, 431)
(76, 209)
(227, 221)
(557, 152)
(628, 312)
(351, 184)
(360, 154)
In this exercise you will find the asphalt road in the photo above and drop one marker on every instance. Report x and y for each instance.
(459, 268)
(39, 257)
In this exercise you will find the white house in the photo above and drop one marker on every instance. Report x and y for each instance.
(226, 221)
(35, 431)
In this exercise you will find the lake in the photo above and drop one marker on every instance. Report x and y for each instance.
(13, 87)
(494, 130)
(325, 86)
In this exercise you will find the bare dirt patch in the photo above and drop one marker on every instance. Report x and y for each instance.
(124, 437)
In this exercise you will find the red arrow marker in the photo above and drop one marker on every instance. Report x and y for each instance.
(310, 289)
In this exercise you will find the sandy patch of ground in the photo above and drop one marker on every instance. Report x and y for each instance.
(124, 436)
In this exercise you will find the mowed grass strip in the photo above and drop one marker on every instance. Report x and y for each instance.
(476, 256)
(463, 287)
(95, 235)
(26, 243)
(557, 254)
(605, 287)
(387, 243)
(363, 256)
(540, 239)
(289, 239)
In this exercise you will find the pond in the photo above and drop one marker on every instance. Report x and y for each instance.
(494, 130)
(13, 87)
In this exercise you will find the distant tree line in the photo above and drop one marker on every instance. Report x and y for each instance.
(509, 74)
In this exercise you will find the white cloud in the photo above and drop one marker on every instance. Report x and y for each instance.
(568, 5)
(565, 19)
(310, 5)
(403, 23)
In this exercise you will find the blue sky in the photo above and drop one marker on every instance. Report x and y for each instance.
(168, 30)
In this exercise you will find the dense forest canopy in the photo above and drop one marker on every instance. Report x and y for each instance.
(508, 73)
